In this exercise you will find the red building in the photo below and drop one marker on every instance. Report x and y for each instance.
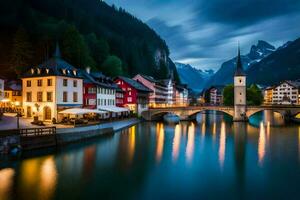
(119, 97)
(135, 96)
(89, 90)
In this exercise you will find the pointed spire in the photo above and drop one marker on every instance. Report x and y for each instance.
(239, 67)
(57, 51)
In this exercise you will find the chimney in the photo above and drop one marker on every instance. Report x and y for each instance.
(88, 70)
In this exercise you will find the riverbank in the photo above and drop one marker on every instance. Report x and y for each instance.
(66, 135)
(69, 135)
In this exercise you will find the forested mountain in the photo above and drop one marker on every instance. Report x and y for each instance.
(90, 33)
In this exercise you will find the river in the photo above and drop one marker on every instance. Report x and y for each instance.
(210, 159)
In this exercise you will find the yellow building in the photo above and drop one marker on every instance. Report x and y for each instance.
(268, 95)
(12, 95)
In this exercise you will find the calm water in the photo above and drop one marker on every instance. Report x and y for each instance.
(214, 158)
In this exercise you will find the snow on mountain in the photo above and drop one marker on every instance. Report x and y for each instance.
(194, 78)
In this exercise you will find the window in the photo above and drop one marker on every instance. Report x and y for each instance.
(28, 83)
(75, 97)
(65, 82)
(39, 82)
(75, 83)
(65, 97)
(129, 99)
(28, 96)
(49, 82)
(39, 96)
(49, 97)
(91, 90)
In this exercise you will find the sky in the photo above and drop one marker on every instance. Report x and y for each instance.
(205, 33)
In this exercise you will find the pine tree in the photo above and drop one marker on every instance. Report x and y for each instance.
(75, 49)
(21, 55)
(112, 66)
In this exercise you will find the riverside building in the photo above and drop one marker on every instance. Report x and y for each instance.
(51, 87)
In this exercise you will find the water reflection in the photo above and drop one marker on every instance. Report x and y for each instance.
(40, 176)
(222, 146)
(6, 182)
(190, 143)
(131, 143)
(176, 142)
(261, 144)
(129, 162)
(160, 136)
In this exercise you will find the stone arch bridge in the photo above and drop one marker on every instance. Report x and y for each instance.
(188, 113)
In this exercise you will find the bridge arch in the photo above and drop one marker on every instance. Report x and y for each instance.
(228, 112)
(250, 113)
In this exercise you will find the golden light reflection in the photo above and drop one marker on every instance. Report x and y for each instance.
(176, 142)
(268, 131)
(39, 176)
(222, 146)
(131, 143)
(6, 182)
(299, 143)
(203, 129)
(261, 144)
(160, 142)
(214, 130)
(190, 142)
(48, 178)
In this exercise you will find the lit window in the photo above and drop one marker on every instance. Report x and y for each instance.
(39, 96)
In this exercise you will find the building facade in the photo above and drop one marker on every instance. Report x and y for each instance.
(135, 96)
(287, 92)
(12, 94)
(181, 95)
(268, 95)
(50, 88)
(216, 95)
(1, 89)
(159, 96)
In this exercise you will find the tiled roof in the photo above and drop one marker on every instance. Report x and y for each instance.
(99, 79)
(135, 84)
(53, 67)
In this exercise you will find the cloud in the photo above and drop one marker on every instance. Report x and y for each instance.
(205, 32)
(245, 12)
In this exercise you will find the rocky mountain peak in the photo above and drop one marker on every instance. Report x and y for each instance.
(261, 50)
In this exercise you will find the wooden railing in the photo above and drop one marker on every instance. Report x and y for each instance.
(37, 131)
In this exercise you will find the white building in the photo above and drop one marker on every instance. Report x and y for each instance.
(216, 95)
(50, 88)
(287, 92)
(1, 89)
(181, 95)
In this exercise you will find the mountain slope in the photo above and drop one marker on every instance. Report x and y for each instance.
(194, 78)
(45, 22)
(225, 74)
(283, 64)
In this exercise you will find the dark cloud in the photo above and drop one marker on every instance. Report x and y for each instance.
(245, 12)
(205, 33)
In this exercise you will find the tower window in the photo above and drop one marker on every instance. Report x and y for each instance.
(240, 80)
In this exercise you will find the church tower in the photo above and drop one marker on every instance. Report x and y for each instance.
(239, 91)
